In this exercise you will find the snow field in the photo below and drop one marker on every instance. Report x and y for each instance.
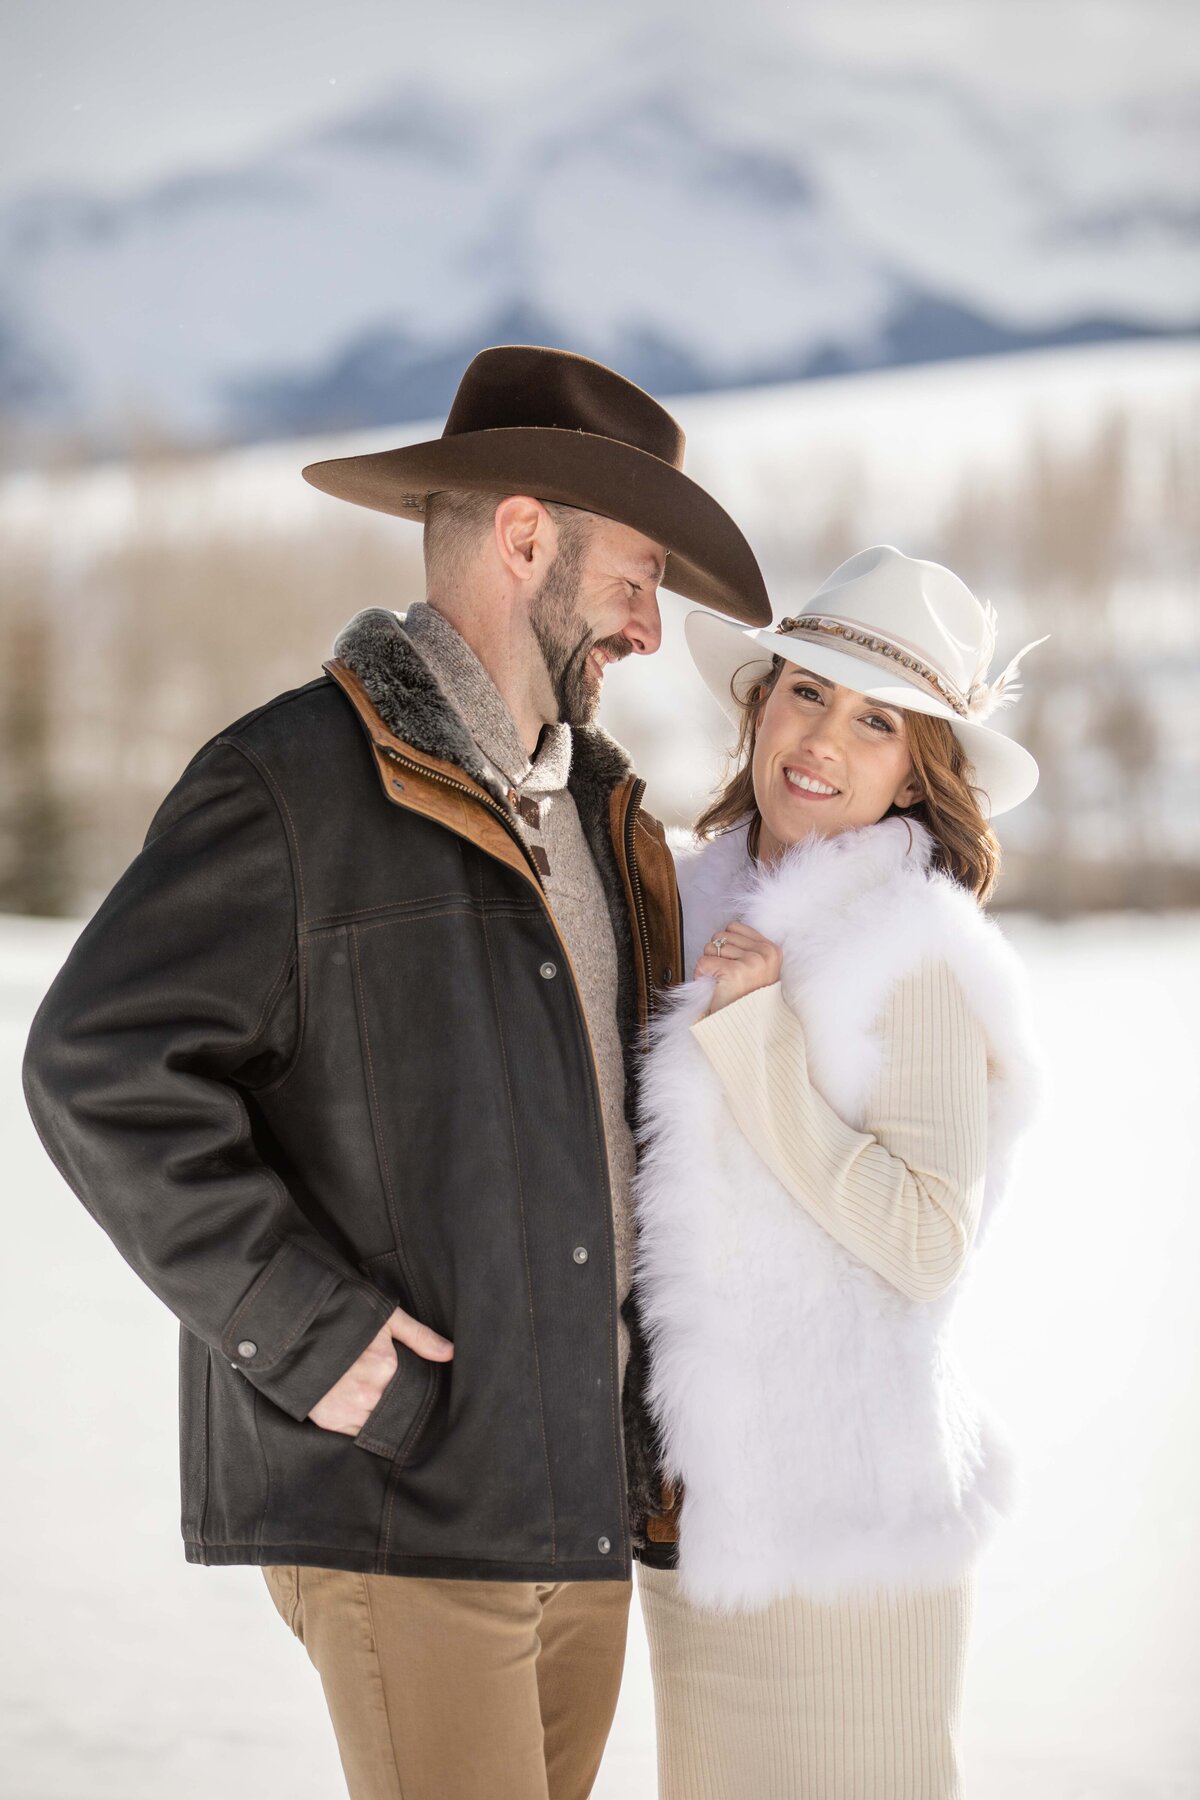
(128, 1675)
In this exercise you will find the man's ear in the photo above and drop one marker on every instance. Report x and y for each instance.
(526, 538)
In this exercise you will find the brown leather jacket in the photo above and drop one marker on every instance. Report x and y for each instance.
(320, 1053)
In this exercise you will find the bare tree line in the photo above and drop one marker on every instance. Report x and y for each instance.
(121, 654)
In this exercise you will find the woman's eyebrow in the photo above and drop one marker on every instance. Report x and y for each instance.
(882, 705)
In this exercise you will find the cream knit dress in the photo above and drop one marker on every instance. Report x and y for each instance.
(850, 1700)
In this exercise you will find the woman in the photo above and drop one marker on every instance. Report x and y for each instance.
(831, 1106)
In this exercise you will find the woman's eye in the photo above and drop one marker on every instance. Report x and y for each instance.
(878, 719)
(802, 690)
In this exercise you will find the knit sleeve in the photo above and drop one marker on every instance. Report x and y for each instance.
(903, 1194)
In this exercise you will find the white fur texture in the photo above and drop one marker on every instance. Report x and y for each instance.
(813, 1413)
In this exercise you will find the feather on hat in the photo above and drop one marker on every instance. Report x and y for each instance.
(983, 698)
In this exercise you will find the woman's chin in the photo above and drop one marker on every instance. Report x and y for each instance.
(795, 828)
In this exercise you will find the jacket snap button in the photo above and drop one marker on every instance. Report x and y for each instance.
(579, 1253)
(667, 973)
(247, 1348)
(548, 971)
(603, 1546)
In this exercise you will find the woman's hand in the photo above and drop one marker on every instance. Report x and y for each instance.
(742, 959)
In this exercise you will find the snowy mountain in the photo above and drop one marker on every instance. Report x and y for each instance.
(701, 215)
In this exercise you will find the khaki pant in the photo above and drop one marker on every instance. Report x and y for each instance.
(461, 1690)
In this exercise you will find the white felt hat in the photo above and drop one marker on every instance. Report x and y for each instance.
(895, 629)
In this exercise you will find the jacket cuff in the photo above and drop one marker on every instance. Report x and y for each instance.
(300, 1327)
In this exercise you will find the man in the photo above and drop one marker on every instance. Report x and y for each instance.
(342, 1066)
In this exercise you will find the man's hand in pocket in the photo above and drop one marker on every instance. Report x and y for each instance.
(351, 1401)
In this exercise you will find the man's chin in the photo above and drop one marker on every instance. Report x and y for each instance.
(579, 698)
(582, 713)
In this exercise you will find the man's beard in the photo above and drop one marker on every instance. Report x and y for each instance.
(566, 641)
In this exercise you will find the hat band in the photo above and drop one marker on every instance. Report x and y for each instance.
(883, 651)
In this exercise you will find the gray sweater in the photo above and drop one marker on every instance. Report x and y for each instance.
(550, 825)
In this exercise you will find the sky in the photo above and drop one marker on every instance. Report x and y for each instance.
(112, 94)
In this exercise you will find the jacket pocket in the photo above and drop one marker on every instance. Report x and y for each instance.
(393, 1427)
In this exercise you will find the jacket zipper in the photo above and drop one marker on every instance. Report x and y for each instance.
(475, 794)
(635, 883)
(494, 806)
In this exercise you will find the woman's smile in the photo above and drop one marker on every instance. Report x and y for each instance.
(807, 786)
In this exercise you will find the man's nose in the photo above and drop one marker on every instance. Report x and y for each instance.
(644, 630)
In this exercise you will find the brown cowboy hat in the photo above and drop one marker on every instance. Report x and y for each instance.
(527, 420)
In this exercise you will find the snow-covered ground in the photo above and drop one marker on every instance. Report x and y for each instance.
(128, 1675)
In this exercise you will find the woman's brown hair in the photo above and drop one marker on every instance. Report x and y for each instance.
(965, 845)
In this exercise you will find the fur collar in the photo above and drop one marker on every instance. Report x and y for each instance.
(410, 702)
(717, 880)
(403, 690)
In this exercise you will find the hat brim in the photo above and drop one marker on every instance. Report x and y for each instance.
(730, 660)
(709, 559)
